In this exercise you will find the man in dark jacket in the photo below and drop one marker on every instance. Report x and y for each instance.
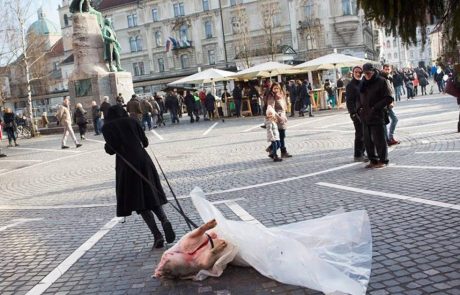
(191, 105)
(237, 99)
(172, 105)
(375, 95)
(292, 89)
(133, 107)
(352, 96)
(398, 83)
(105, 105)
(304, 95)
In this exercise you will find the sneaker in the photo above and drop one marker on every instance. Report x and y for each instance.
(393, 142)
(64, 147)
(271, 156)
(78, 145)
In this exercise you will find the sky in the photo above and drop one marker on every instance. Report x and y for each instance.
(50, 7)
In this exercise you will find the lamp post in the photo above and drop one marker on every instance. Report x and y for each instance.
(223, 34)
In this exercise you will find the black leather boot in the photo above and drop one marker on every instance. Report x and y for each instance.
(285, 154)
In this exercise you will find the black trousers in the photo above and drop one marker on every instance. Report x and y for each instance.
(359, 138)
(375, 143)
(458, 124)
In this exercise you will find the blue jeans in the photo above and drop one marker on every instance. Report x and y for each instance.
(393, 122)
(398, 92)
(96, 125)
(275, 146)
(146, 119)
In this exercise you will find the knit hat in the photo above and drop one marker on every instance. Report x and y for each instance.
(368, 67)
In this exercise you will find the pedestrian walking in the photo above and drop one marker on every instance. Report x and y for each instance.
(96, 117)
(160, 101)
(120, 100)
(172, 105)
(273, 135)
(2, 155)
(352, 96)
(210, 103)
(375, 95)
(44, 120)
(81, 120)
(134, 108)
(125, 138)
(389, 134)
(304, 96)
(192, 108)
(147, 111)
(65, 120)
(292, 91)
(277, 99)
(237, 99)
(10, 126)
(105, 105)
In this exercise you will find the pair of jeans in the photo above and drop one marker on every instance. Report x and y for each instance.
(275, 146)
(96, 126)
(146, 119)
(393, 122)
(398, 92)
(11, 134)
(374, 141)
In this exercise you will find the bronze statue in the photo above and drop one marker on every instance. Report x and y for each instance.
(85, 6)
(112, 47)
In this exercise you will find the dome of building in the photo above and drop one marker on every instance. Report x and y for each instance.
(44, 26)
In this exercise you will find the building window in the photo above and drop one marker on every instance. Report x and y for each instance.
(388, 44)
(155, 15)
(349, 7)
(66, 20)
(139, 43)
(158, 41)
(211, 57)
(161, 65)
(183, 36)
(394, 43)
(135, 43)
(208, 29)
(308, 9)
(179, 9)
(132, 44)
(395, 55)
(234, 2)
(311, 42)
(184, 61)
(205, 5)
(132, 20)
(235, 25)
(138, 68)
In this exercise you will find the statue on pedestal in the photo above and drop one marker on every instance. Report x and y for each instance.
(112, 47)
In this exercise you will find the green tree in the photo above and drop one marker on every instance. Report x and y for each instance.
(402, 17)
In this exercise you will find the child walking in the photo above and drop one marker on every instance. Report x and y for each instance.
(273, 134)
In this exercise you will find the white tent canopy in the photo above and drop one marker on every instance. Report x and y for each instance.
(206, 76)
(332, 61)
(264, 70)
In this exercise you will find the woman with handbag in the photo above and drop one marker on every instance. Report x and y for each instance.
(80, 119)
(10, 126)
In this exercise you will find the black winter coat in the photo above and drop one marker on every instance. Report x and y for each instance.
(375, 95)
(125, 135)
(79, 116)
(352, 95)
(209, 102)
(189, 101)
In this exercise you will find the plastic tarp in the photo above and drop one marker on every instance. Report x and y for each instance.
(332, 254)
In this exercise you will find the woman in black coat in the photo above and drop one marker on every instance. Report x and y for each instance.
(80, 119)
(209, 103)
(124, 136)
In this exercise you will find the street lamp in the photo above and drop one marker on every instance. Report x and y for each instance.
(223, 34)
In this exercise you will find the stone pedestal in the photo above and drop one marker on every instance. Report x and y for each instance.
(90, 79)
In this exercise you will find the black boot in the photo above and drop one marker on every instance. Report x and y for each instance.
(167, 227)
(158, 240)
(285, 154)
(276, 158)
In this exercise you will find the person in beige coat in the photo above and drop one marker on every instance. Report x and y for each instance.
(65, 120)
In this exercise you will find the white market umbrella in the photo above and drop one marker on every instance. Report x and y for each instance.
(264, 70)
(206, 76)
(332, 61)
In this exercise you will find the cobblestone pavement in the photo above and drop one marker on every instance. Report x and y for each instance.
(53, 201)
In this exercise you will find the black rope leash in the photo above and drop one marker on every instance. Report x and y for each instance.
(179, 209)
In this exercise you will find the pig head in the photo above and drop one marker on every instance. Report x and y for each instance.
(197, 250)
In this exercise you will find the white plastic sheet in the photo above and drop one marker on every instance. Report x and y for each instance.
(328, 254)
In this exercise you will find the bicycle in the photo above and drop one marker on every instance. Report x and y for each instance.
(23, 131)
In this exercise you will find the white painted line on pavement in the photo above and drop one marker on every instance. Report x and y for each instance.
(252, 128)
(243, 214)
(47, 162)
(47, 150)
(62, 268)
(426, 132)
(282, 180)
(437, 152)
(95, 140)
(390, 195)
(427, 116)
(157, 135)
(424, 167)
(32, 207)
(20, 161)
(18, 222)
(427, 125)
(210, 128)
(226, 201)
(312, 121)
